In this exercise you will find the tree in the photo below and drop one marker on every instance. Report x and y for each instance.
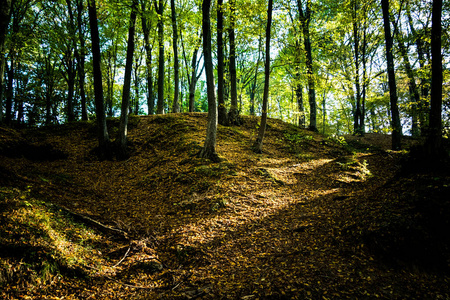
(5, 9)
(222, 110)
(233, 114)
(209, 149)
(159, 6)
(434, 138)
(81, 57)
(257, 147)
(102, 131)
(122, 142)
(176, 104)
(145, 20)
(305, 19)
(395, 118)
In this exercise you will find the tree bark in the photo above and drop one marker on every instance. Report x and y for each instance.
(357, 113)
(81, 60)
(160, 104)
(209, 149)
(148, 59)
(123, 127)
(103, 137)
(176, 104)
(305, 18)
(434, 139)
(5, 16)
(257, 147)
(222, 110)
(395, 118)
(233, 114)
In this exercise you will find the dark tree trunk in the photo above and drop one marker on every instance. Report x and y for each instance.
(357, 113)
(222, 110)
(81, 60)
(123, 128)
(434, 138)
(305, 18)
(255, 78)
(233, 115)
(5, 16)
(395, 118)
(176, 103)
(9, 90)
(194, 78)
(70, 64)
(159, 9)
(148, 59)
(103, 137)
(209, 149)
(257, 147)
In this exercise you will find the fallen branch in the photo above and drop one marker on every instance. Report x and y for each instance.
(86, 219)
(120, 261)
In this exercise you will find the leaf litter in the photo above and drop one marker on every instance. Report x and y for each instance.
(310, 218)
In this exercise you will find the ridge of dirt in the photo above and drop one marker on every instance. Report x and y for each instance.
(310, 218)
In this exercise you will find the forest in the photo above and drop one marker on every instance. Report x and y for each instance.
(186, 149)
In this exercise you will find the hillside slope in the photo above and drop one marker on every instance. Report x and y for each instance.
(310, 218)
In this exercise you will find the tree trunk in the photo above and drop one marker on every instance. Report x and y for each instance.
(257, 147)
(123, 127)
(434, 139)
(103, 137)
(5, 15)
(305, 18)
(395, 119)
(233, 115)
(176, 103)
(357, 113)
(160, 105)
(209, 149)
(148, 59)
(81, 60)
(222, 110)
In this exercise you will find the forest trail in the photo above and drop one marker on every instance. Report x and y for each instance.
(310, 218)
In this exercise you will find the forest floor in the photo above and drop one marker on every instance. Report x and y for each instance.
(312, 217)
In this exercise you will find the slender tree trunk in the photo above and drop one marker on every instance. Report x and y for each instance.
(255, 78)
(233, 115)
(176, 103)
(123, 128)
(305, 18)
(10, 90)
(161, 70)
(434, 139)
(193, 81)
(148, 59)
(357, 112)
(5, 16)
(103, 137)
(222, 110)
(362, 122)
(257, 147)
(81, 60)
(395, 119)
(209, 149)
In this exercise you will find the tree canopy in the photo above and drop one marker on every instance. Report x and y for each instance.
(329, 68)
